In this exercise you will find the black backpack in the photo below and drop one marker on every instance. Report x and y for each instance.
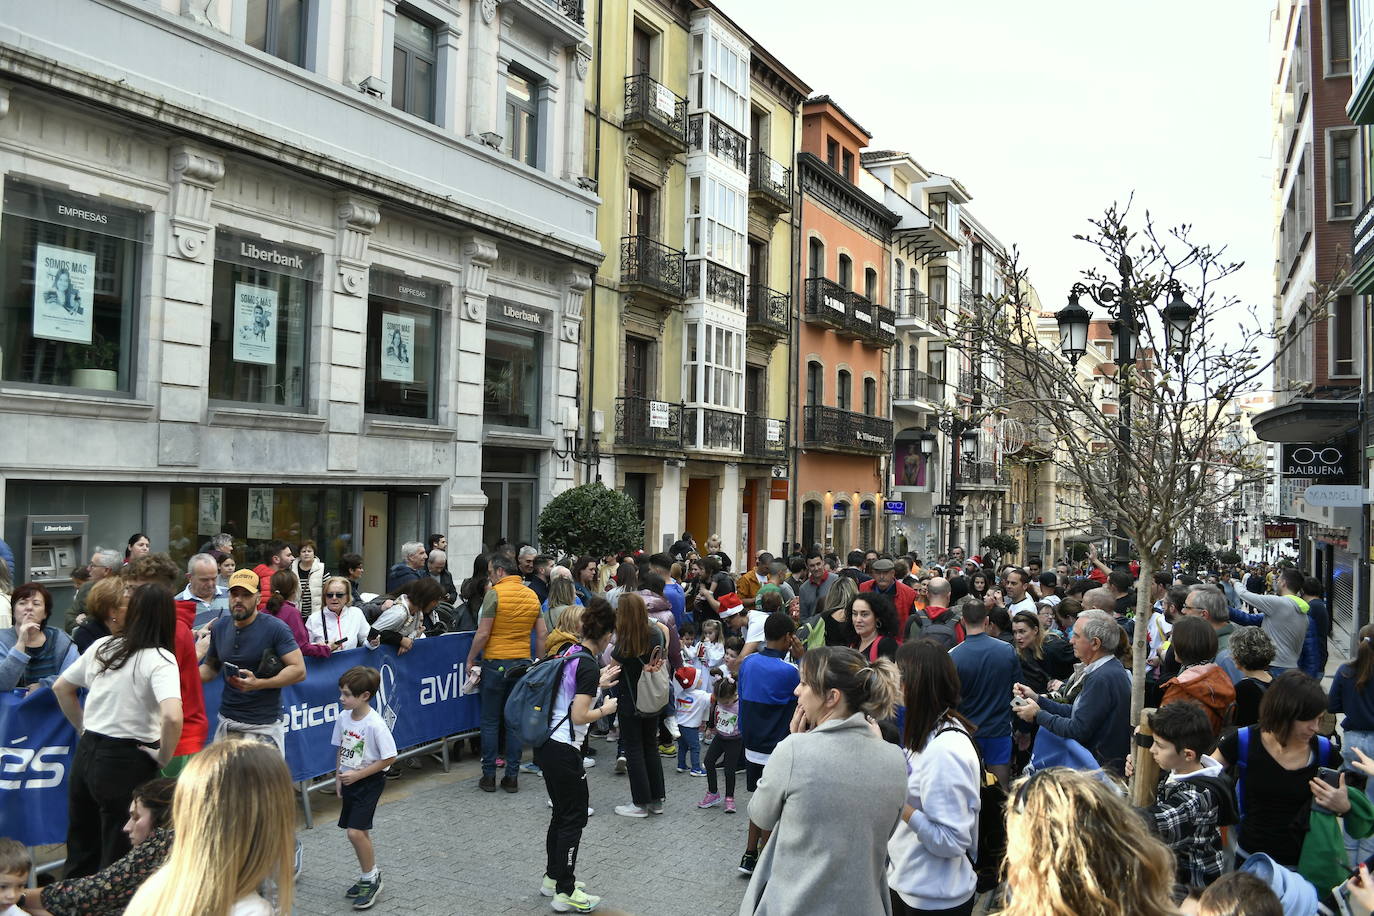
(992, 822)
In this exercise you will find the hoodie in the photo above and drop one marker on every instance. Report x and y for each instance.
(194, 726)
(1188, 814)
(1296, 895)
(1209, 685)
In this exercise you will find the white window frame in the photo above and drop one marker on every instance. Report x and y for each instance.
(713, 381)
(1349, 36)
(718, 220)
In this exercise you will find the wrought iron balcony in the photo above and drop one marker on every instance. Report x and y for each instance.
(839, 430)
(860, 322)
(827, 303)
(912, 305)
(975, 474)
(968, 383)
(647, 265)
(647, 423)
(769, 311)
(765, 438)
(570, 8)
(770, 184)
(705, 131)
(884, 330)
(715, 283)
(656, 112)
(915, 385)
(713, 430)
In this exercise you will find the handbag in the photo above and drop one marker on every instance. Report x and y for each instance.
(651, 692)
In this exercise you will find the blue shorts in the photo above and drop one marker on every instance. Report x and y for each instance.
(996, 751)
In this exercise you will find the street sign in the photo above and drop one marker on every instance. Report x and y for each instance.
(894, 506)
(1333, 494)
(947, 509)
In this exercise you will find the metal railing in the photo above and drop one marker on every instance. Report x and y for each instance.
(974, 472)
(714, 430)
(968, 382)
(649, 262)
(570, 8)
(768, 310)
(884, 331)
(723, 286)
(860, 322)
(912, 303)
(720, 139)
(915, 385)
(833, 428)
(771, 180)
(765, 437)
(649, 102)
(827, 303)
(643, 421)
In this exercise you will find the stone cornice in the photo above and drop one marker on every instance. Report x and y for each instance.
(820, 182)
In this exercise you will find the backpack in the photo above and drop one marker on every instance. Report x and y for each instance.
(651, 690)
(529, 708)
(1243, 760)
(992, 822)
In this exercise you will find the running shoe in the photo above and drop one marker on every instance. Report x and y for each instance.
(631, 811)
(579, 901)
(747, 863)
(710, 801)
(729, 806)
(367, 894)
(549, 887)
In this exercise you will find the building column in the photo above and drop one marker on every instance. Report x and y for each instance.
(193, 173)
(483, 52)
(669, 506)
(467, 503)
(355, 219)
(728, 509)
(574, 105)
(564, 409)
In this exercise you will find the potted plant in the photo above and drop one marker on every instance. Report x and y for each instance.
(95, 365)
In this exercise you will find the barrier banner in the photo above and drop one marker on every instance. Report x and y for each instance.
(419, 700)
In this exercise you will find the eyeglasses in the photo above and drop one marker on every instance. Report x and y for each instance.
(336, 594)
(1192, 607)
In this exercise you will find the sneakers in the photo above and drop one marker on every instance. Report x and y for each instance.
(631, 811)
(697, 772)
(487, 783)
(510, 784)
(620, 766)
(549, 887)
(682, 769)
(729, 806)
(354, 890)
(656, 807)
(711, 800)
(588, 762)
(579, 901)
(667, 750)
(532, 768)
(747, 863)
(367, 893)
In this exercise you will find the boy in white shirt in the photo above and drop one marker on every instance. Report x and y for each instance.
(690, 706)
(366, 749)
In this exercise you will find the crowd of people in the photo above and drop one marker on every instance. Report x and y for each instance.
(964, 726)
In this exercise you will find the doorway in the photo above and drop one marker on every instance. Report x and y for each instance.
(699, 508)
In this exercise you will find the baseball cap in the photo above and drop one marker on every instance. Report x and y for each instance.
(882, 564)
(245, 578)
(730, 605)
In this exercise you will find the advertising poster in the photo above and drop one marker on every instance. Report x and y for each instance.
(255, 324)
(909, 465)
(210, 518)
(398, 348)
(62, 282)
(260, 513)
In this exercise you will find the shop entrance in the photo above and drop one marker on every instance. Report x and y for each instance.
(699, 509)
(391, 519)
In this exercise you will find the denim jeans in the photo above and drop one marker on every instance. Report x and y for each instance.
(689, 739)
(493, 690)
(1359, 849)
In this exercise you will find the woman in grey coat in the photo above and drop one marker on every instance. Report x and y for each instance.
(831, 794)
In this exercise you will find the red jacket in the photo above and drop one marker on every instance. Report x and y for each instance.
(903, 600)
(264, 583)
(194, 727)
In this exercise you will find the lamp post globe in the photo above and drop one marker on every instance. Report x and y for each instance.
(1073, 322)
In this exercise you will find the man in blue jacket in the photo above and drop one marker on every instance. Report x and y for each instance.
(767, 699)
(1098, 713)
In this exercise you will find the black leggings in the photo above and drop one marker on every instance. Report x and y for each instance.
(566, 782)
(640, 738)
(729, 748)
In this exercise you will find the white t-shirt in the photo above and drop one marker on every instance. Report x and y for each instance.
(252, 905)
(125, 703)
(1025, 604)
(364, 741)
(690, 707)
(581, 675)
(755, 631)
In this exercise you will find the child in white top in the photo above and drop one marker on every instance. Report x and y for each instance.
(366, 749)
(690, 706)
(712, 646)
(726, 746)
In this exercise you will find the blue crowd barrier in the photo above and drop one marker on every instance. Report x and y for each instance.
(419, 699)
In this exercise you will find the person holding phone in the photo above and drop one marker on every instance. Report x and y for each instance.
(338, 624)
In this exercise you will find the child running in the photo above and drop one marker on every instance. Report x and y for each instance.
(366, 749)
(726, 745)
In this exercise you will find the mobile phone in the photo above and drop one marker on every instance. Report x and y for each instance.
(232, 670)
(1329, 776)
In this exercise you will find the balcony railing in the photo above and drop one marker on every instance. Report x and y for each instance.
(975, 473)
(860, 322)
(846, 431)
(570, 8)
(968, 383)
(765, 438)
(652, 106)
(884, 332)
(713, 430)
(768, 311)
(912, 304)
(648, 423)
(649, 264)
(720, 139)
(722, 285)
(827, 303)
(770, 182)
(915, 385)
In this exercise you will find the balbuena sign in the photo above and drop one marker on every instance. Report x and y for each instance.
(1330, 462)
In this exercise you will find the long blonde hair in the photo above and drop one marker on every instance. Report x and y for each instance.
(235, 816)
(1082, 851)
(840, 594)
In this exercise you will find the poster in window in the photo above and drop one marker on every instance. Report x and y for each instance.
(255, 324)
(62, 283)
(398, 348)
(210, 518)
(260, 513)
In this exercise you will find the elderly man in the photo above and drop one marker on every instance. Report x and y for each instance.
(884, 582)
(104, 562)
(211, 599)
(410, 568)
(1097, 715)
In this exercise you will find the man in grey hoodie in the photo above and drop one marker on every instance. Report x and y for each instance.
(1283, 617)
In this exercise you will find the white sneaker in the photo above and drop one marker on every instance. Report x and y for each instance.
(631, 811)
(656, 807)
(588, 762)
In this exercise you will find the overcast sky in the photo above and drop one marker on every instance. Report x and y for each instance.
(1048, 111)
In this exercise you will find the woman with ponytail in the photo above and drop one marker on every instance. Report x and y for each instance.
(284, 585)
(832, 770)
(1352, 693)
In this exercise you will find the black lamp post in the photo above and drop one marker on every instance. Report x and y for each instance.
(965, 432)
(1127, 303)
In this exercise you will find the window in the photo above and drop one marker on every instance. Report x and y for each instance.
(832, 153)
(1342, 174)
(70, 266)
(866, 525)
(403, 321)
(412, 66)
(871, 284)
(509, 476)
(815, 384)
(638, 352)
(521, 142)
(811, 524)
(898, 274)
(755, 390)
(727, 81)
(844, 385)
(717, 218)
(278, 27)
(642, 218)
(715, 365)
(871, 398)
(939, 288)
(511, 382)
(325, 513)
(641, 51)
(1337, 37)
(1346, 334)
(846, 277)
(815, 258)
(976, 279)
(260, 318)
(847, 166)
(938, 207)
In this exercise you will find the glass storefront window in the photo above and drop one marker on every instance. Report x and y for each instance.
(508, 480)
(260, 321)
(256, 515)
(69, 269)
(403, 328)
(511, 382)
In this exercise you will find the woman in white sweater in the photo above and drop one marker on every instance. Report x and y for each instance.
(929, 866)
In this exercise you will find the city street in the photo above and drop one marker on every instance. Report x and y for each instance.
(444, 847)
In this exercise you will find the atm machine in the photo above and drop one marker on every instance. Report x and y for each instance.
(54, 546)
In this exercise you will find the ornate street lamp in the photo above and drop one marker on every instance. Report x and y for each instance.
(1073, 322)
(1178, 323)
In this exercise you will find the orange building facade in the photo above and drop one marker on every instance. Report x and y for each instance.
(844, 340)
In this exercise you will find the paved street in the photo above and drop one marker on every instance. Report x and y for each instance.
(445, 847)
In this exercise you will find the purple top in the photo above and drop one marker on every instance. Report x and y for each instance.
(290, 615)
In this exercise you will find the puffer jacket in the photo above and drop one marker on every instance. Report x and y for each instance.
(1207, 684)
(661, 611)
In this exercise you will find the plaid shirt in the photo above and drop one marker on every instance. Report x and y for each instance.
(1185, 817)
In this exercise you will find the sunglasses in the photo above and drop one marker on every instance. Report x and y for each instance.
(336, 594)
